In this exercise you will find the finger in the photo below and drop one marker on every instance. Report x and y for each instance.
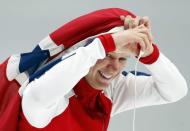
(145, 21)
(137, 20)
(150, 36)
(134, 22)
(144, 30)
(140, 41)
(149, 47)
(122, 17)
(145, 39)
(148, 33)
(129, 21)
(126, 24)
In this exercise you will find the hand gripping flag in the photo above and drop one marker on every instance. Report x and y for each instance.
(23, 68)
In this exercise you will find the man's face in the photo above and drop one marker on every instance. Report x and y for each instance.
(105, 70)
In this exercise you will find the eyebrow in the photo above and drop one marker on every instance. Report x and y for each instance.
(112, 56)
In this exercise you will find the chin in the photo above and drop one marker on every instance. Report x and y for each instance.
(102, 85)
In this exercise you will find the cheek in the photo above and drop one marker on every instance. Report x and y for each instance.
(124, 64)
(121, 68)
(100, 64)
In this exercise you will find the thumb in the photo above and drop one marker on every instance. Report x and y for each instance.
(122, 17)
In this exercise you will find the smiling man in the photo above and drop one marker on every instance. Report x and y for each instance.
(104, 71)
(87, 87)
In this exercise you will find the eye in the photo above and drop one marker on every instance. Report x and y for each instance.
(122, 59)
(108, 56)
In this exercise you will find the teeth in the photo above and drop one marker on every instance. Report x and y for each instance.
(105, 75)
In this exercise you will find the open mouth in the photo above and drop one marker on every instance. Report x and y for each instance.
(104, 75)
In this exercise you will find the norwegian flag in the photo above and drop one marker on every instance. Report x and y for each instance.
(23, 68)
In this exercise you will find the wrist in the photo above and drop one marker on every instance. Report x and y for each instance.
(107, 42)
(152, 57)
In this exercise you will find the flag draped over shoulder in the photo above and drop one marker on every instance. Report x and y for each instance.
(23, 68)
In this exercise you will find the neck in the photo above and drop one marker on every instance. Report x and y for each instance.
(93, 85)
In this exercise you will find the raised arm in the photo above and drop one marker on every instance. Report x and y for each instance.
(42, 97)
(165, 85)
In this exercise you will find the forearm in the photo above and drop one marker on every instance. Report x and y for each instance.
(61, 78)
(169, 81)
(165, 85)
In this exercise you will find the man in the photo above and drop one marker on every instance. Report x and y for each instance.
(83, 91)
(85, 88)
(19, 70)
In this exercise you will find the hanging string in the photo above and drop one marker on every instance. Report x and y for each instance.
(134, 110)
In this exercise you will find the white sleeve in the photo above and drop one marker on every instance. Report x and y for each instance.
(42, 97)
(165, 85)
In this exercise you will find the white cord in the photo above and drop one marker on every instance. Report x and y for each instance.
(134, 110)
